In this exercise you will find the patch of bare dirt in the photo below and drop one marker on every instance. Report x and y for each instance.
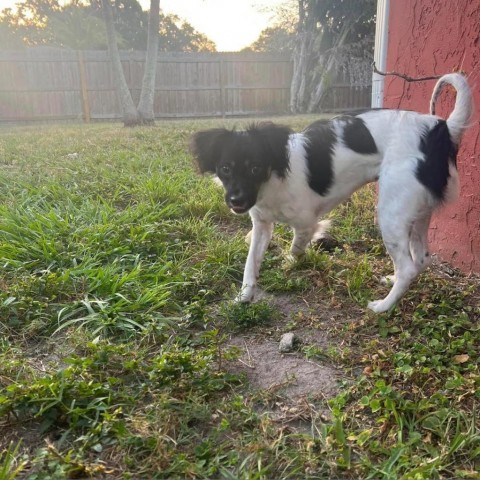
(289, 374)
(294, 389)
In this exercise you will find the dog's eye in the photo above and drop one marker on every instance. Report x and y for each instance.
(255, 170)
(225, 169)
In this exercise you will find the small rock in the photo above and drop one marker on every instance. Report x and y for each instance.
(286, 342)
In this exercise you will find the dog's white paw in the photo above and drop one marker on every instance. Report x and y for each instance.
(296, 252)
(378, 306)
(291, 261)
(246, 295)
(388, 280)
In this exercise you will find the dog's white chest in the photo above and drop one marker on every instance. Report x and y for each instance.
(281, 201)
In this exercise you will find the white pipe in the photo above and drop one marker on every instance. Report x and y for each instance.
(380, 52)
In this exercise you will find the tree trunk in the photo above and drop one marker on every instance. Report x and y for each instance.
(129, 112)
(147, 96)
(300, 60)
(322, 85)
(300, 66)
(327, 71)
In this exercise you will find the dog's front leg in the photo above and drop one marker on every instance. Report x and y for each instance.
(260, 238)
(301, 239)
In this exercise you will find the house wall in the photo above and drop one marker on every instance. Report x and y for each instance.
(430, 37)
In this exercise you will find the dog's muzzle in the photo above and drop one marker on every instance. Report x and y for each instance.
(238, 204)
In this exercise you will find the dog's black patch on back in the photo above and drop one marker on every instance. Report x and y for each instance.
(438, 150)
(320, 142)
(357, 136)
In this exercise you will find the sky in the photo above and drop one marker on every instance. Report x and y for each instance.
(231, 24)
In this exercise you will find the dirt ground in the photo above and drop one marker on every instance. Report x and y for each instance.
(288, 373)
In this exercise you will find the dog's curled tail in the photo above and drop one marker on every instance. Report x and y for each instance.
(459, 119)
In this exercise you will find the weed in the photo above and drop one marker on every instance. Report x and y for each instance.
(10, 464)
(244, 315)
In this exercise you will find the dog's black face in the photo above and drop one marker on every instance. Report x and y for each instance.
(243, 160)
(242, 170)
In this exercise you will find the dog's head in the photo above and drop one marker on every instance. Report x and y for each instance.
(242, 160)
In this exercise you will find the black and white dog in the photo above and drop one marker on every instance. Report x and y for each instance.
(295, 178)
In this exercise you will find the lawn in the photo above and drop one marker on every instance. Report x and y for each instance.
(123, 356)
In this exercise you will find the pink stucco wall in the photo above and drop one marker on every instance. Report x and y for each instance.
(429, 37)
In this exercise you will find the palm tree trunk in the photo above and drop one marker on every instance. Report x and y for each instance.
(129, 112)
(147, 96)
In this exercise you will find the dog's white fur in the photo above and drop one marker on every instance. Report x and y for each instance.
(405, 206)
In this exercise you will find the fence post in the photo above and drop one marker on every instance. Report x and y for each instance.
(83, 88)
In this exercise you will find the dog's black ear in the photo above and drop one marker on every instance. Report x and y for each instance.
(206, 147)
(275, 138)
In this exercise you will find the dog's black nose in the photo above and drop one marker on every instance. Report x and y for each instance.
(236, 200)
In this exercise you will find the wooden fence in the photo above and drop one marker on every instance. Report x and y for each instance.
(56, 84)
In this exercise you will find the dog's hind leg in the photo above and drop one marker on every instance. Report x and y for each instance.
(419, 242)
(404, 235)
(405, 270)
(260, 238)
(418, 247)
(403, 217)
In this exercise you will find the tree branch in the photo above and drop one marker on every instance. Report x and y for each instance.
(405, 77)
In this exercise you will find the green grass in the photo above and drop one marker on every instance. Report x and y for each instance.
(118, 267)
